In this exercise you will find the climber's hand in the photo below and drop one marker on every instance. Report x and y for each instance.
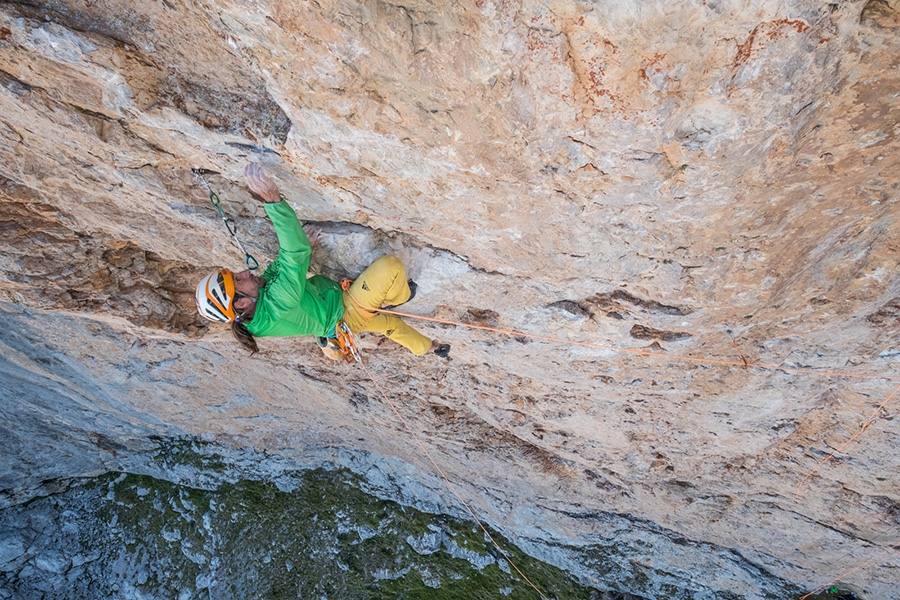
(260, 183)
(314, 233)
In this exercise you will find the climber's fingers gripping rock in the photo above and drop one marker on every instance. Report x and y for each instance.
(260, 183)
(314, 233)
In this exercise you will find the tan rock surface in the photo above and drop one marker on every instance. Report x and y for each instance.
(642, 175)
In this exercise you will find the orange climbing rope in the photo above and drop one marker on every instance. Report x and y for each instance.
(865, 426)
(641, 352)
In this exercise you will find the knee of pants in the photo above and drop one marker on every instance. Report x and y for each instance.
(386, 280)
(389, 264)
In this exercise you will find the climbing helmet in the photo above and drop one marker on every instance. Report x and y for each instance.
(215, 296)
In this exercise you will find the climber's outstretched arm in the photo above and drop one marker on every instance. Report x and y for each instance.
(263, 186)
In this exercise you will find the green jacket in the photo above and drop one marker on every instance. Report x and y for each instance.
(291, 304)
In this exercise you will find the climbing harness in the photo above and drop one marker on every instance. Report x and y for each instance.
(230, 225)
(342, 343)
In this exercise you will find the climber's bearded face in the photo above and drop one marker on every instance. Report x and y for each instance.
(247, 285)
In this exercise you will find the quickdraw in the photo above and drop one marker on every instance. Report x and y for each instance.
(346, 341)
(230, 225)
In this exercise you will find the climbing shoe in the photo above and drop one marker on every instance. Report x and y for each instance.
(330, 348)
(443, 350)
(413, 286)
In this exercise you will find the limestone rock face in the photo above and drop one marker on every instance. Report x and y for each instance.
(647, 176)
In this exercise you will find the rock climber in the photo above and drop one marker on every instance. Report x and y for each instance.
(283, 302)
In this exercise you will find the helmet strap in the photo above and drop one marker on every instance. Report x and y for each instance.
(247, 314)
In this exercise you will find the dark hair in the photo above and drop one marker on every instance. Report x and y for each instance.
(244, 337)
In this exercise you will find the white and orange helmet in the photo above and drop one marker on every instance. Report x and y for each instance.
(215, 296)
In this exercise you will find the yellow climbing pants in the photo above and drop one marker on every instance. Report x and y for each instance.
(383, 283)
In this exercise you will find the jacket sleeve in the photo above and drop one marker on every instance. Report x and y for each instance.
(294, 245)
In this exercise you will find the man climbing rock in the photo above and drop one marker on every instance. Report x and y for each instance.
(283, 302)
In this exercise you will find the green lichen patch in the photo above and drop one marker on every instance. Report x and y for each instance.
(188, 452)
(340, 542)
